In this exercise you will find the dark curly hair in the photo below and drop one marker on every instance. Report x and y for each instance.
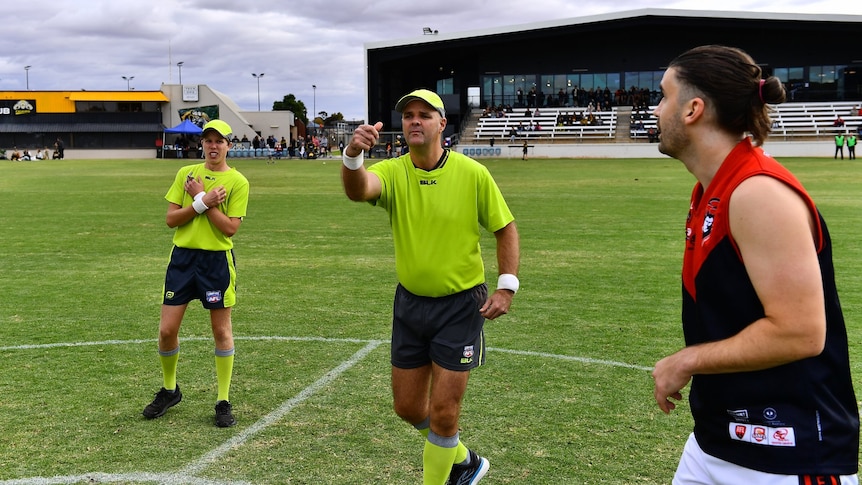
(731, 79)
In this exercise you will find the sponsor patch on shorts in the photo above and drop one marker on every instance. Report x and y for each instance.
(762, 435)
(213, 296)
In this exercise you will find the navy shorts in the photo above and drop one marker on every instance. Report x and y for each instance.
(197, 274)
(446, 330)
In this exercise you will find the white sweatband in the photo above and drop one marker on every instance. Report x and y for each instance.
(353, 163)
(509, 282)
(200, 195)
(199, 205)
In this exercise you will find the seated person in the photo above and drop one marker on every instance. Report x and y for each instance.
(26, 156)
(43, 155)
(55, 155)
(16, 155)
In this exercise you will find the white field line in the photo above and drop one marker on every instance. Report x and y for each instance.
(187, 474)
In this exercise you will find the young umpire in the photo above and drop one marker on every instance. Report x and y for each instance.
(206, 204)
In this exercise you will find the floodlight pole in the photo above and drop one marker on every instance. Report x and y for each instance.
(258, 76)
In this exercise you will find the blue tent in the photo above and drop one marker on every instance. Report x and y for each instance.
(186, 127)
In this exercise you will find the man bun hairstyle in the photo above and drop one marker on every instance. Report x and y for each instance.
(730, 78)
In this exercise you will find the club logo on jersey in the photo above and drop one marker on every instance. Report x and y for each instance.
(213, 296)
(770, 414)
(709, 219)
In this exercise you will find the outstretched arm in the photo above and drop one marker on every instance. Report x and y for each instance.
(359, 184)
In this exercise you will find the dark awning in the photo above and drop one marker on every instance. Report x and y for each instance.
(81, 127)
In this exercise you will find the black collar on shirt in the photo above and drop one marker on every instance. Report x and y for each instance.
(441, 162)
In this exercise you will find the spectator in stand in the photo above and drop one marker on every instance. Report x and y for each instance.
(839, 122)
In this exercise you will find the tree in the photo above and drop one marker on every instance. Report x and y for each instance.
(290, 103)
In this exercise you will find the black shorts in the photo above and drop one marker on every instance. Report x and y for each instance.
(447, 330)
(197, 274)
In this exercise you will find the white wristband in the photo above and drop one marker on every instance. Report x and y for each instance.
(353, 163)
(200, 195)
(199, 205)
(509, 282)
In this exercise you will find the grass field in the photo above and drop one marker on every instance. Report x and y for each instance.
(565, 396)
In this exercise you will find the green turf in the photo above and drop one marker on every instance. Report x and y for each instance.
(83, 257)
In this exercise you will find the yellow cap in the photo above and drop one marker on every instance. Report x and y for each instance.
(429, 97)
(220, 127)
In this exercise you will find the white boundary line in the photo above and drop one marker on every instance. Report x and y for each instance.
(187, 475)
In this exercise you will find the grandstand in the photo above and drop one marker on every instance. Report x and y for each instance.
(791, 121)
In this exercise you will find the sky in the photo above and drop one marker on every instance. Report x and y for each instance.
(295, 45)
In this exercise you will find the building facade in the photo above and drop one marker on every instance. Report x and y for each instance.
(817, 57)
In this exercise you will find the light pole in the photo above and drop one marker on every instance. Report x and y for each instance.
(180, 66)
(258, 76)
(128, 82)
(27, 75)
(314, 103)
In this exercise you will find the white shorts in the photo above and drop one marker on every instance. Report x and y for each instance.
(698, 468)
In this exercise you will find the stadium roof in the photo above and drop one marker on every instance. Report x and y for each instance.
(629, 14)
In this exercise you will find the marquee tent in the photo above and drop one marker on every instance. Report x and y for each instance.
(187, 127)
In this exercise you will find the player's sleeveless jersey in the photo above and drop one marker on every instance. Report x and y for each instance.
(436, 217)
(797, 418)
(200, 233)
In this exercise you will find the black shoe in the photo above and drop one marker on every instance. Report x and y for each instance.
(469, 474)
(164, 399)
(223, 415)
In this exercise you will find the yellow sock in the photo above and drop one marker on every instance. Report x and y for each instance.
(437, 458)
(224, 372)
(461, 453)
(169, 361)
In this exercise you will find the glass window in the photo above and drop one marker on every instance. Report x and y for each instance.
(446, 86)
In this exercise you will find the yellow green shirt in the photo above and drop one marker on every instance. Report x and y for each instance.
(436, 218)
(200, 233)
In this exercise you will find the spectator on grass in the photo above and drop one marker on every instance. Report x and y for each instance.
(766, 345)
(441, 301)
(206, 204)
(16, 155)
(60, 148)
(839, 145)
